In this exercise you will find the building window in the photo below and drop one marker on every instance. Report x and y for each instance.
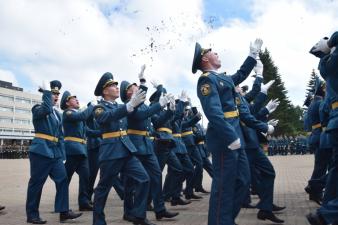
(6, 98)
(23, 100)
(22, 111)
(6, 120)
(6, 109)
(22, 121)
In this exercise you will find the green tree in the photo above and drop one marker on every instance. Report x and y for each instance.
(289, 116)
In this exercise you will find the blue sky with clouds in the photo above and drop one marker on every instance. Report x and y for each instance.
(77, 41)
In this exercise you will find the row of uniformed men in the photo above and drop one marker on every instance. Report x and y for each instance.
(119, 139)
(321, 120)
(288, 145)
(236, 122)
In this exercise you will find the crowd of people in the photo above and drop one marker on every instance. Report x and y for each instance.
(131, 143)
(14, 151)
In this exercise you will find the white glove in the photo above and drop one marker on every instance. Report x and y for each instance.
(255, 48)
(332, 50)
(272, 105)
(172, 103)
(271, 129)
(141, 74)
(265, 87)
(235, 145)
(136, 99)
(42, 87)
(164, 100)
(93, 102)
(273, 122)
(322, 46)
(183, 97)
(258, 69)
(154, 83)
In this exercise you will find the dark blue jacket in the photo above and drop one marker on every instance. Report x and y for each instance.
(314, 120)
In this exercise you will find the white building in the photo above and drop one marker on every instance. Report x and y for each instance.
(16, 126)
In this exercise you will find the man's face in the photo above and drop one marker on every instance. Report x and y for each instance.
(213, 59)
(131, 90)
(73, 103)
(55, 98)
(112, 91)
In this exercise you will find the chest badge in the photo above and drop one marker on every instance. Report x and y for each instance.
(98, 111)
(238, 101)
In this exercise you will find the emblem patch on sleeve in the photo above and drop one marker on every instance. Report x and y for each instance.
(238, 101)
(205, 89)
(98, 111)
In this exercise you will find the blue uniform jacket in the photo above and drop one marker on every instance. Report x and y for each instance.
(163, 119)
(177, 129)
(328, 67)
(112, 117)
(45, 122)
(74, 126)
(256, 88)
(217, 95)
(140, 119)
(94, 134)
(324, 113)
(187, 124)
(314, 119)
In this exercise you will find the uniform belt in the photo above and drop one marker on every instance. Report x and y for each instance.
(114, 134)
(76, 139)
(177, 135)
(186, 133)
(138, 132)
(201, 143)
(47, 137)
(318, 125)
(231, 114)
(164, 129)
(334, 105)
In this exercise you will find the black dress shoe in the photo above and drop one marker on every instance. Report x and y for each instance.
(315, 219)
(248, 206)
(308, 189)
(166, 214)
(193, 196)
(64, 216)
(202, 190)
(140, 221)
(36, 221)
(268, 215)
(2, 207)
(150, 207)
(317, 199)
(129, 218)
(276, 208)
(86, 208)
(179, 201)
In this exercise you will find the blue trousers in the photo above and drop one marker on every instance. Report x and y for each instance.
(262, 177)
(40, 168)
(329, 211)
(132, 169)
(166, 156)
(93, 161)
(229, 185)
(79, 164)
(206, 165)
(197, 162)
(152, 167)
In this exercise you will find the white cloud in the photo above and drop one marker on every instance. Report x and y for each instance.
(77, 41)
(8, 76)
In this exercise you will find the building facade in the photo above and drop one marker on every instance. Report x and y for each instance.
(16, 127)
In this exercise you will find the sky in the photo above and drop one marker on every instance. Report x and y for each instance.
(77, 41)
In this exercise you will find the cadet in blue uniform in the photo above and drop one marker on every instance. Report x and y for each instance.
(328, 66)
(45, 156)
(139, 123)
(75, 145)
(314, 187)
(165, 143)
(116, 151)
(216, 92)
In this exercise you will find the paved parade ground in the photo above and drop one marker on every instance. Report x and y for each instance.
(292, 175)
